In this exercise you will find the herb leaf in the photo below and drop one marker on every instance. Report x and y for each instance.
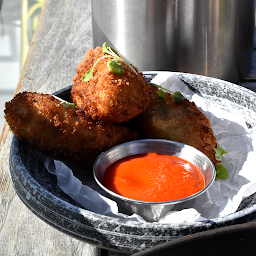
(65, 103)
(221, 172)
(161, 94)
(161, 88)
(108, 50)
(219, 152)
(88, 75)
(105, 48)
(115, 67)
(178, 97)
(68, 104)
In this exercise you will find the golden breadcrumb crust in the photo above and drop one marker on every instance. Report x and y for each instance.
(107, 96)
(63, 133)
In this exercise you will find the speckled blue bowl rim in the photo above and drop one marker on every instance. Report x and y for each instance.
(62, 213)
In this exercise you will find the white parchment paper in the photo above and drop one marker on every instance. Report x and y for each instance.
(222, 198)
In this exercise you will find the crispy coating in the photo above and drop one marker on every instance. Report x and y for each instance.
(181, 122)
(63, 133)
(107, 96)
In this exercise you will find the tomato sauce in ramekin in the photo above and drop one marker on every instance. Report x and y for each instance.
(153, 177)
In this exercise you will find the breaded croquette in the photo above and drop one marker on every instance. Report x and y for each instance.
(61, 132)
(107, 96)
(182, 122)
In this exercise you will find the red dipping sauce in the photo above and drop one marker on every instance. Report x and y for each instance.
(153, 177)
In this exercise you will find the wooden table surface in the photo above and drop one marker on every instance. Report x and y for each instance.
(61, 39)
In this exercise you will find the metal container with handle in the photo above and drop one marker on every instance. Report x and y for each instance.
(206, 37)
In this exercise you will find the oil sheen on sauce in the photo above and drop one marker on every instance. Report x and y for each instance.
(153, 177)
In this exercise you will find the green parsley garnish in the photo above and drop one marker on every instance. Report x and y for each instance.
(177, 96)
(65, 103)
(114, 64)
(109, 50)
(219, 152)
(115, 67)
(161, 94)
(221, 171)
(88, 75)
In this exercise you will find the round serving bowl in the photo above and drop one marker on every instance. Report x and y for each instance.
(38, 189)
(153, 211)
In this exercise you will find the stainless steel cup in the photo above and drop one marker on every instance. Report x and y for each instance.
(153, 211)
(206, 37)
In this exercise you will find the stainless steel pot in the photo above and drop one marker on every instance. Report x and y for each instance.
(207, 37)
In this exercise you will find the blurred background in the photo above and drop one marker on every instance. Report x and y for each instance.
(11, 44)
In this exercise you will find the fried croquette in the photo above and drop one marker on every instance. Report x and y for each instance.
(60, 132)
(106, 96)
(182, 122)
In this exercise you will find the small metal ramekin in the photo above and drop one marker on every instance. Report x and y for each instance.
(153, 211)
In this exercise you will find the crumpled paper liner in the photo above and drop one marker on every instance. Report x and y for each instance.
(221, 199)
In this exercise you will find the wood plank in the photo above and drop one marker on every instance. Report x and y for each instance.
(62, 37)
(59, 44)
